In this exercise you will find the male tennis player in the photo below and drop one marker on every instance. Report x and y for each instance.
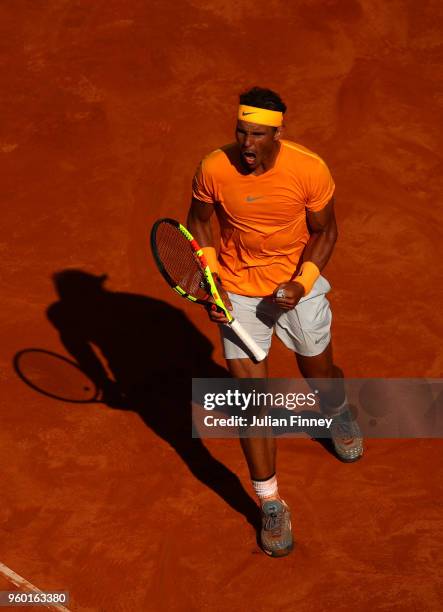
(274, 202)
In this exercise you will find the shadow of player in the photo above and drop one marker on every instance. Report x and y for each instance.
(152, 351)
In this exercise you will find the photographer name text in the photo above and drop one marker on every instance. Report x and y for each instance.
(294, 420)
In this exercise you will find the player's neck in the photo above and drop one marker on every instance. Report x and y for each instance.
(268, 163)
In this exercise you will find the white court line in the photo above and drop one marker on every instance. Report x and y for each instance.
(21, 582)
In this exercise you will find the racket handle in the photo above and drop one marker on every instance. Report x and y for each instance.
(251, 344)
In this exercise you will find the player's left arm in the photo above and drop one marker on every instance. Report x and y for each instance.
(323, 236)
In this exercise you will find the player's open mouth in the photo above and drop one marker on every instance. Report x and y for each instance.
(249, 157)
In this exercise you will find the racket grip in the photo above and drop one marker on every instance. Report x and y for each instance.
(250, 343)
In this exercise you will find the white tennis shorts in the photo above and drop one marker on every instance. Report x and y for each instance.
(306, 329)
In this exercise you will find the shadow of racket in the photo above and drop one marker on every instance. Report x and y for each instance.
(55, 376)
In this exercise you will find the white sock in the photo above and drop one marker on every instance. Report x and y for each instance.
(266, 489)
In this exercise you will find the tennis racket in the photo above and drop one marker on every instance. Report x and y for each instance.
(184, 267)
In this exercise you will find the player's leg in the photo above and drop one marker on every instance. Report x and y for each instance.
(329, 378)
(307, 331)
(259, 451)
(345, 432)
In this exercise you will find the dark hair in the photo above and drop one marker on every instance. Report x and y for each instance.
(263, 98)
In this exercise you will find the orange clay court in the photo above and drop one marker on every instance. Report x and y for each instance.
(107, 108)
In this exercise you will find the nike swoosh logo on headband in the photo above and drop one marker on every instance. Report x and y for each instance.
(250, 113)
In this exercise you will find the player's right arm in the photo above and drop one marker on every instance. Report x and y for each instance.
(199, 224)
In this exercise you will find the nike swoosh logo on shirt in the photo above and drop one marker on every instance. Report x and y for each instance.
(252, 199)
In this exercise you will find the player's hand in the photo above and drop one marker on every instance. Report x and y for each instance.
(214, 315)
(287, 295)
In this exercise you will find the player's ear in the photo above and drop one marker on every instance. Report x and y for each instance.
(278, 133)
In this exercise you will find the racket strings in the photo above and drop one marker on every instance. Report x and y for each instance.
(180, 261)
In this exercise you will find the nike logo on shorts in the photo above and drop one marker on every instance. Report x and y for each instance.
(321, 339)
(252, 198)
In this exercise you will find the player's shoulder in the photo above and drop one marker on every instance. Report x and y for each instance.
(296, 153)
(218, 160)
